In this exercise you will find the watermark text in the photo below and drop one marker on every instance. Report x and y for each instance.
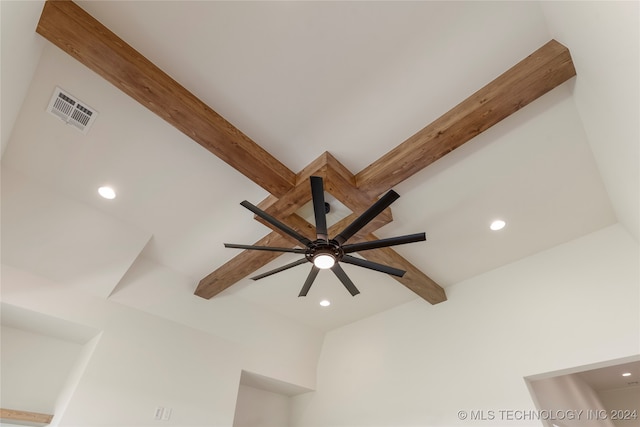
(547, 414)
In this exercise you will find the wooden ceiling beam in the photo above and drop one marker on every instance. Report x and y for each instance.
(24, 417)
(248, 262)
(537, 74)
(414, 279)
(69, 27)
(73, 30)
(241, 266)
(339, 182)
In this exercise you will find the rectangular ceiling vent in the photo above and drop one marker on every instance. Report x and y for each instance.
(71, 110)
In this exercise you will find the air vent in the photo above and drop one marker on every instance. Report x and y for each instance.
(71, 110)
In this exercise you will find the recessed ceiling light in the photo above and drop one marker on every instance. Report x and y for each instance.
(107, 192)
(498, 224)
(626, 374)
(325, 303)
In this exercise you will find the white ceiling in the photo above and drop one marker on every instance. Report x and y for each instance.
(300, 78)
(610, 377)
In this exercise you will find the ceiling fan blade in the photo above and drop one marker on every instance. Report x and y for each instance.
(279, 269)
(271, 220)
(373, 265)
(375, 210)
(339, 272)
(317, 192)
(264, 248)
(307, 284)
(383, 243)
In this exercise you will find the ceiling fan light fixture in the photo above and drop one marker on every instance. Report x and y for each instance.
(324, 261)
(325, 303)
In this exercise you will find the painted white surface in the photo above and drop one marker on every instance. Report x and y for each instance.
(415, 365)
(34, 369)
(261, 408)
(623, 402)
(143, 361)
(297, 77)
(571, 395)
(604, 36)
(93, 261)
(20, 49)
(73, 379)
(301, 78)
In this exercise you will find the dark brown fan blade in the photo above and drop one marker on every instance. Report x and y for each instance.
(317, 192)
(373, 265)
(307, 284)
(279, 269)
(382, 243)
(265, 248)
(271, 220)
(367, 216)
(339, 272)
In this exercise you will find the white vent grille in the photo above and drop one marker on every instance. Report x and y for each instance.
(71, 110)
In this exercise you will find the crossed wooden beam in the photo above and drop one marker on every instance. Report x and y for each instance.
(76, 32)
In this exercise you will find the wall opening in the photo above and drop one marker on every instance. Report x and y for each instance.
(264, 401)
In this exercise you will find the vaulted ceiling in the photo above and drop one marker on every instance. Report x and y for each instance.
(300, 79)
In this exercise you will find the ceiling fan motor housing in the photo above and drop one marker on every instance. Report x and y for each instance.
(323, 247)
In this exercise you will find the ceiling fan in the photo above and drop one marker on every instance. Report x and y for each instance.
(325, 253)
(73, 30)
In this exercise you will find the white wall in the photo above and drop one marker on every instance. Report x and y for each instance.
(261, 408)
(605, 35)
(570, 395)
(34, 369)
(141, 361)
(625, 399)
(20, 49)
(418, 364)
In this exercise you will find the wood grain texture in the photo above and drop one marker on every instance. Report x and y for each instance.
(241, 266)
(77, 33)
(339, 182)
(414, 279)
(33, 418)
(543, 70)
(247, 262)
